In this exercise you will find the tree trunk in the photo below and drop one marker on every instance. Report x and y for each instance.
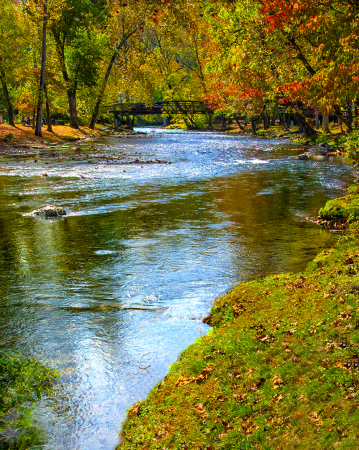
(284, 121)
(115, 116)
(7, 99)
(317, 120)
(238, 123)
(325, 125)
(346, 120)
(303, 126)
(192, 122)
(210, 121)
(71, 91)
(48, 112)
(38, 130)
(102, 92)
(108, 72)
(266, 122)
(254, 127)
(340, 124)
(71, 95)
(128, 122)
(288, 121)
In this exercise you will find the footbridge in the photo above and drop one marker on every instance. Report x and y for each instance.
(167, 108)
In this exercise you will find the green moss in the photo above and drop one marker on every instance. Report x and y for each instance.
(278, 371)
(343, 209)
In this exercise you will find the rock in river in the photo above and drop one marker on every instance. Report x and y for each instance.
(49, 211)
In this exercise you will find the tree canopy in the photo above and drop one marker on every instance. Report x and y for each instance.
(243, 58)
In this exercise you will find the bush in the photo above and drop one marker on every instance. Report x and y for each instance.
(351, 143)
(322, 139)
(23, 382)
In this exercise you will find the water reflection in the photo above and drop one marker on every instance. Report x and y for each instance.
(112, 293)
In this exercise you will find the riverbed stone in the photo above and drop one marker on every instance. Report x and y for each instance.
(49, 211)
(304, 156)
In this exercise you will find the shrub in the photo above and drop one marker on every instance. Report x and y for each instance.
(322, 139)
(23, 382)
(351, 143)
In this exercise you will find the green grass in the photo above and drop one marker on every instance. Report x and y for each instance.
(279, 370)
(342, 211)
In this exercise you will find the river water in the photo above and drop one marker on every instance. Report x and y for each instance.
(111, 294)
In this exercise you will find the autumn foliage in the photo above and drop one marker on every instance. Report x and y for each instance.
(269, 53)
(244, 58)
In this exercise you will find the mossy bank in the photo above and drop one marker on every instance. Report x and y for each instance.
(279, 370)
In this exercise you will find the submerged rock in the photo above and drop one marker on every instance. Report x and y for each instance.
(305, 156)
(49, 211)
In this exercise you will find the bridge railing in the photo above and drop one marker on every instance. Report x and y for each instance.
(170, 108)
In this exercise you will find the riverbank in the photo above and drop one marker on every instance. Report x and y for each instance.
(280, 367)
(23, 137)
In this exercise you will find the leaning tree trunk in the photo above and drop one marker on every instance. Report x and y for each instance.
(238, 122)
(8, 105)
(108, 72)
(102, 91)
(303, 126)
(347, 120)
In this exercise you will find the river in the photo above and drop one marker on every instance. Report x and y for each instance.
(111, 294)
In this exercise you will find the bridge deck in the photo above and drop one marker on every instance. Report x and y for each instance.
(169, 108)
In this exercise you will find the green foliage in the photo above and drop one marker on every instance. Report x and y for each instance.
(23, 382)
(84, 55)
(299, 140)
(351, 143)
(29, 437)
(322, 139)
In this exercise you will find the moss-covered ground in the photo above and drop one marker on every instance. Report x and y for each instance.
(279, 369)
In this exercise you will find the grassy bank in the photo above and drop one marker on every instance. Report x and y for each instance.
(280, 368)
(24, 135)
